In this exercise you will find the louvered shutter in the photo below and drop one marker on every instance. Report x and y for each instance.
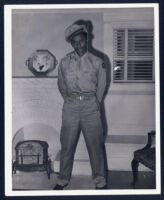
(119, 42)
(140, 70)
(140, 44)
(119, 70)
(119, 52)
(133, 55)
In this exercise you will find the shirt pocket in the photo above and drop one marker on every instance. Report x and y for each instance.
(70, 74)
(90, 75)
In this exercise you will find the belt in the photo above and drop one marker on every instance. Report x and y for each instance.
(82, 97)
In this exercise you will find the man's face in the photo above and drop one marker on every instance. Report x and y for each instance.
(79, 43)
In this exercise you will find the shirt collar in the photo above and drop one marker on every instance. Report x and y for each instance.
(85, 55)
(82, 57)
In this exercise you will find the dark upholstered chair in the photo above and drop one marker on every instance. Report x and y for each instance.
(146, 156)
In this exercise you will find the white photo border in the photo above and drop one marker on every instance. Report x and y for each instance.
(8, 101)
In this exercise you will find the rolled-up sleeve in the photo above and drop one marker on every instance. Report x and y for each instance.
(61, 82)
(101, 81)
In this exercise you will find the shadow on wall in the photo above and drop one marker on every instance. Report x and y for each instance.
(38, 131)
(105, 58)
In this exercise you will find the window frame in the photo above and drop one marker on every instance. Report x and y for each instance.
(127, 58)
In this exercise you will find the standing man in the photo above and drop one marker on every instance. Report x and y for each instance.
(81, 81)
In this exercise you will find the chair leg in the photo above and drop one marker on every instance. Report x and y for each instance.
(48, 169)
(134, 165)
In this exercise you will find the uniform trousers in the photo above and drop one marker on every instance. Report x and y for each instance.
(82, 115)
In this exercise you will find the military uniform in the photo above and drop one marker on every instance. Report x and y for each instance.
(82, 81)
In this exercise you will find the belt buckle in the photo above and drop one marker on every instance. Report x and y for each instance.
(81, 98)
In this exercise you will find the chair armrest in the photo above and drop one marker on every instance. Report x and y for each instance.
(151, 140)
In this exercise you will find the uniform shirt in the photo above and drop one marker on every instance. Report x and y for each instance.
(84, 74)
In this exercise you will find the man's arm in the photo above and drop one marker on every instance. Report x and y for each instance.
(101, 81)
(61, 82)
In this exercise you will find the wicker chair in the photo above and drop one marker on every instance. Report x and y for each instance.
(146, 156)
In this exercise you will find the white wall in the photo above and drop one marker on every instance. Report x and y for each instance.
(130, 107)
(46, 30)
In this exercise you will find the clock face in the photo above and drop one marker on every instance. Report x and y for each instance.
(41, 62)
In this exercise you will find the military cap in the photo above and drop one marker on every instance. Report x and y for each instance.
(74, 29)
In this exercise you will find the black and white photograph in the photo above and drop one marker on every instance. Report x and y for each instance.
(82, 106)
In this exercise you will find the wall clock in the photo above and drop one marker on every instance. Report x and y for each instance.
(41, 62)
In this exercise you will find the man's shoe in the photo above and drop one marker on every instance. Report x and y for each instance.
(101, 188)
(58, 187)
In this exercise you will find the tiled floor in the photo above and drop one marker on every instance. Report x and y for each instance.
(116, 180)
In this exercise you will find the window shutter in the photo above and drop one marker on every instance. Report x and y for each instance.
(119, 70)
(133, 55)
(119, 42)
(140, 42)
(140, 70)
(119, 52)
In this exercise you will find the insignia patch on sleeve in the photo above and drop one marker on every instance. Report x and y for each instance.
(103, 65)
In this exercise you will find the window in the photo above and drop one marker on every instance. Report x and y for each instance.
(133, 55)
